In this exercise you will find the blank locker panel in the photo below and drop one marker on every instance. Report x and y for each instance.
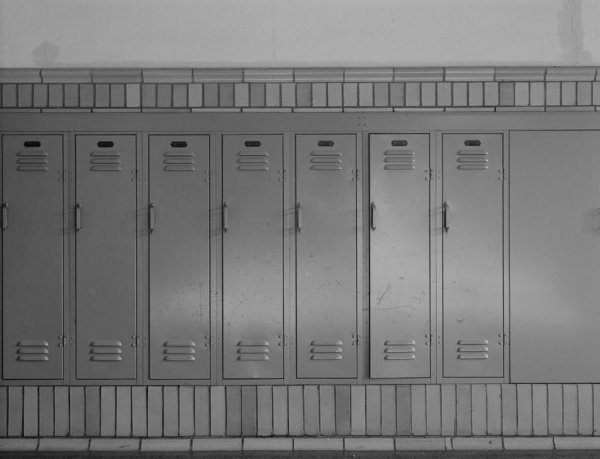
(472, 230)
(178, 220)
(326, 228)
(555, 256)
(399, 256)
(252, 223)
(105, 223)
(32, 251)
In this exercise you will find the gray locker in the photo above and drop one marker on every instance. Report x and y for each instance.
(32, 224)
(178, 220)
(472, 227)
(326, 232)
(399, 256)
(554, 256)
(252, 223)
(105, 228)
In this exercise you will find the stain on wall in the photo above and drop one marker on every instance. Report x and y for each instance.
(570, 32)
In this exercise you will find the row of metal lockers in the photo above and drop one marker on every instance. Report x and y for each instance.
(271, 241)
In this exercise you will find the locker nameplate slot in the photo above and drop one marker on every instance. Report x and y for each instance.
(32, 351)
(179, 144)
(252, 351)
(105, 161)
(179, 161)
(324, 160)
(472, 160)
(32, 144)
(106, 351)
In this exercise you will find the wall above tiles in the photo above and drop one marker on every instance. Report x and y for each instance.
(302, 89)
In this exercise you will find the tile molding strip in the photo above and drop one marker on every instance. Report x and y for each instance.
(365, 444)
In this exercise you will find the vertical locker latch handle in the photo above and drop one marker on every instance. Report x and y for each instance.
(4, 216)
(77, 217)
(373, 209)
(151, 216)
(445, 208)
(225, 216)
(299, 217)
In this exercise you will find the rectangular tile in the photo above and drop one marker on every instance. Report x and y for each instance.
(123, 424)
(133, 95)
(428, 94)
(334, 94)
(226, 95)
(288, 95)
(295, 410)
(311, 410)
(319, 94)
(520, 74)
(40, 95)
(459, 94)
(18, 444)
(217, 444)
(585, 409)
(509, 409)
(444, 94)
(573, 443)
(596, 93)
(555, 409)
(463, 409)
(3, 411)
(116, 76)
(165, 445)
(397, 98)
(241, 94)
(358, 408)
(71, 94)
(280, 410)
(117, 95)
(155, 411)
(412, 94)
(524, 410)
(478, 409)
(388, 409)
(403, 410)
(233, 396)
(418, 410)
(108, 405)
(139, 410)
(477, 444)
(164, 95)
(522, 93)
(217, 411)
(326, 410)
(373, 409)
(186, 411)
(303, 94)
(418, 74)
(491, 94)
(570, 73)
(273, 94)
(350, 94)
(540, 409)
(211, 95)
(381, 92)
(148, 95)
(268, 444)
(25, 95)
(434, 409)
(318, 444)
(195, 95)
(366, 74)
(342, 410)
(268, 75)
(170, 411)
(249, 419)
(59, 75)
(102, 95)
(218, 75)
(570, 404)
(201, 411)
(167, 75)
(568, 93)
(8, 75)
(584, 93)
(537, 94)
(46, 411)
(30, 411)
(264, 401)
(64, 445)
(92, 411)
(9, 95)
(368, 444)
(114, 444)
(365, 94)
(318, 74)
(596, 396)
(469, 74)
(55, 95)
(420, 444)
(76, 412)
(553, 94)
(494, 409)
(448, 394)
(524, 443)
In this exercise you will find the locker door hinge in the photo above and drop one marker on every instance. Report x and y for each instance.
(356, 339)
(138, 341)
(355, 174)
(207, 175)
(429, 340)
(428, 175)
(62, 175)
(502, 174)
(282, 175)
(505, 340)
(137, 176)
(64, 341)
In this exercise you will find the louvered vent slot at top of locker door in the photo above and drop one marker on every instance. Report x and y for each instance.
(253, 350)
(108, 350)
(251, 160)
(472, 160)
(179, 351)
(105, 161)
(326, 350)
(399, 160)
(179, 161)
(324, 160)
(32, 351)
(472, 349)
(399, 350)
(32, 159)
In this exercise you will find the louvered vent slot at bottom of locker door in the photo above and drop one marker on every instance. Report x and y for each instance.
(326, 350)
(472, 349)
(106, 351)
(32, 351)
(399, 350)
(253, 351)
(399, 160)
(179, 161)
(179, 351)
(324, 160)
(105, 161)
(250, 160)
(472, 160)
(32, 161)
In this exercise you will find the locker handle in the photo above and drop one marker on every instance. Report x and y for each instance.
(445, 208)
(77, 217)
(225, 216)
(151, 216)
(299, 217)
(373, 209)
(4, 216)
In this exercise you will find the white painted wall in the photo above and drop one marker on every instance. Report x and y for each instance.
(208, 33)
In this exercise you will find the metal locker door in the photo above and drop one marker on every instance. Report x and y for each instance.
(472, 228)
(105, 224)
(252, 256)
(179, 257)
(399, 220)
(554, 256)
(326, 224)
(32, 224)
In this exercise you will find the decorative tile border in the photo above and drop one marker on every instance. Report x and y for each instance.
(302, 89)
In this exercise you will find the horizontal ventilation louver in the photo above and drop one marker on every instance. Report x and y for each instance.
(179, 161)
(472, 349)
(326, 160)
(179, 351)
(32, 351)
(472, 160)
(326, 350)
(399, 160)
(32, 160)
(399, 350)
(253, 351)
(105, 161)
(252, 160)
(106, 350)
